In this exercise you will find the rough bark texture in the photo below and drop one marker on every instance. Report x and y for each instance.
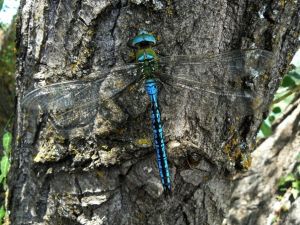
(254, 195)
(92, 179)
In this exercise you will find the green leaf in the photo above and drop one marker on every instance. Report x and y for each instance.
(295, 193)
(4, 165)
(288, 82)
(266, 129)
(294, 74)
(296, 185)
(1, 4)
(290, 177)
(6, 141)
(286, 179)
(282, 189)
(2, 214)
(276, 110)
(271, 118)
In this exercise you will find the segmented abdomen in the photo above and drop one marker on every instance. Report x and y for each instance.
(159, 141)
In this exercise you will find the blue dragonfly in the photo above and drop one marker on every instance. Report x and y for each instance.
(232, 75)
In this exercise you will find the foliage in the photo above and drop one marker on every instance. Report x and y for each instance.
(5, 163)
(285, 95)
(5, 166)
(7, 87)
(288, 190)
(1, 4)
(2, 214)
(288, 185)
(291, 180)
(7, 71)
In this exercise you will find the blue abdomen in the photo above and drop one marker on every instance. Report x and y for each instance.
(158, 134)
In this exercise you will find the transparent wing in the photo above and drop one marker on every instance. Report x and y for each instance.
(75, 103)
(232, 77)
(58, 96)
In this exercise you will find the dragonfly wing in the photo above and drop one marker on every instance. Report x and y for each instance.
(75, 103)
(231, 77)
(54, 96)
(252, 62)
(63, 97)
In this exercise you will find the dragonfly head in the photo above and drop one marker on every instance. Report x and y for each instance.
(142, 39)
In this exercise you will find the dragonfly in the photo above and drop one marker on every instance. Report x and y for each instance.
(231, 75)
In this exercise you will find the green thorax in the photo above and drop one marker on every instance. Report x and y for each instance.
(145, 54)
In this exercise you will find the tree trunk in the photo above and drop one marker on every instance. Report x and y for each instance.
(97, 178)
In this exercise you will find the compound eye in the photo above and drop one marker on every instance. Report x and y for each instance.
(143, 39)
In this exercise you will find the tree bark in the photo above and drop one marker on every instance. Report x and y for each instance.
(92, 178)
